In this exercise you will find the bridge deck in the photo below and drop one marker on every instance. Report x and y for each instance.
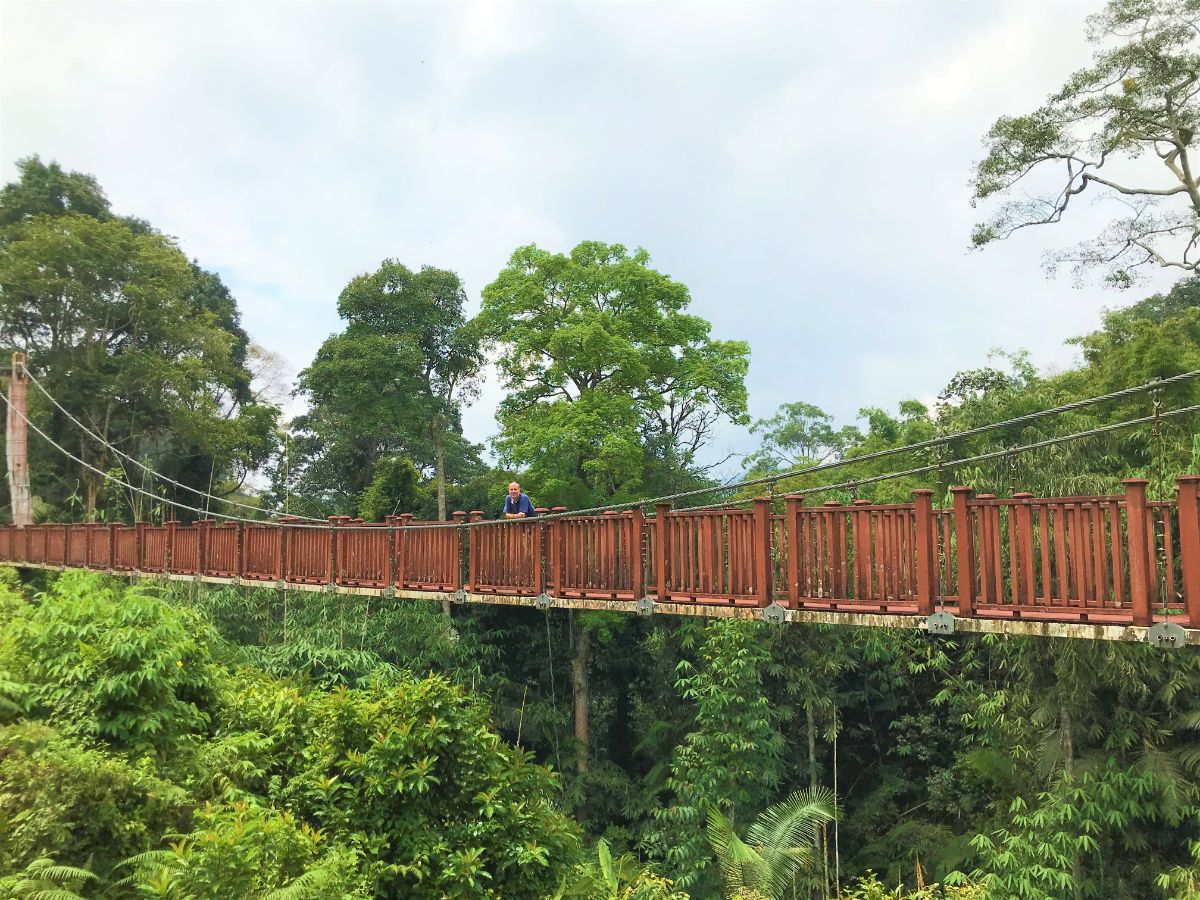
(1092, 567)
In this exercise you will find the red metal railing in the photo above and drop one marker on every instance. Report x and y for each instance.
(1115, 559)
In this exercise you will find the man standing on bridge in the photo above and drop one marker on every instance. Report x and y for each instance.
(518, 505)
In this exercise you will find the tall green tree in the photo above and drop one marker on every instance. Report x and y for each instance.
(392, 383)
(1139, 100)
(604, 367)
(140, 344)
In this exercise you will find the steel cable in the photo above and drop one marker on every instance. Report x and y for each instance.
(154, 473)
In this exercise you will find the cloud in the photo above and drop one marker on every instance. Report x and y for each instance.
(802, 167)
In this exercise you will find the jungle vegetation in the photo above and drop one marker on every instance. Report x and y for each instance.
(183, 741)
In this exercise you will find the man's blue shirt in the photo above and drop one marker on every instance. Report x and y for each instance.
(523, 505)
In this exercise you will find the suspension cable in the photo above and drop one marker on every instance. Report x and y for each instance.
(820, 489)
(982, 457)
(855, 483)
(1154, 384)
(154, 473)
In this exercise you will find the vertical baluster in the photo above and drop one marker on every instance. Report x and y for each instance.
(791, 505)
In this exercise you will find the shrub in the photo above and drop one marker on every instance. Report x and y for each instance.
(120, 664)
(78, 804)
(438, 804)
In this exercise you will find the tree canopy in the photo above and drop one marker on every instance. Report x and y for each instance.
(391, 384)
(606, 372)
(137, 342)
(1122, 129)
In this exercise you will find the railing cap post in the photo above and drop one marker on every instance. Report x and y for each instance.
(558, 509)
(1135, 482)
(1023, 495)
(476, 515)
(541, 510)
(861, 503)
(458, 515)
(1191, 479)
(923, 492)
(831, 503)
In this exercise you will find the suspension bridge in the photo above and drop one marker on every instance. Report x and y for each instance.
(1118, 567)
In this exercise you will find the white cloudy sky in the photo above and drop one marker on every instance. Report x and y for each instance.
(802, 167)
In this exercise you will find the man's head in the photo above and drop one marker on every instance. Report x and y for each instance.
(514, 491)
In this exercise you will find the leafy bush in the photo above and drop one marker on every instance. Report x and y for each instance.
(83, 806)
(121, 664)
(245, 850)
(439, 806)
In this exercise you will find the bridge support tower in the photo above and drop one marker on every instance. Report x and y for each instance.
(16, 444)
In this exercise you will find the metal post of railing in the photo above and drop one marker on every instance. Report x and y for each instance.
(139, 546)
(460, 559)
(474, 551)
(169, 551)
(540, 547)
(202, 527)
(331, 567)
(239, 551)
(637, 571)
(557, 537)
(792, 504)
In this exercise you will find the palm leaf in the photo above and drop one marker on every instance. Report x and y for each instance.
(786, 832)
(741, 865)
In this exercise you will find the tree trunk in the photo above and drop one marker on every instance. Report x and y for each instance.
(579, 678)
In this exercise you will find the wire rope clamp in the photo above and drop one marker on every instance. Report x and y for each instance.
(459, 597)
(1166, 636)
(646, 606)
(543, 601)
(389, 593)
(775, 614)
(940, 622)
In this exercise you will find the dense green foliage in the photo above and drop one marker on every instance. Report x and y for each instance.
(135, 746)
(193, 742)
(141, 344)
(612, 385)
(388, 386)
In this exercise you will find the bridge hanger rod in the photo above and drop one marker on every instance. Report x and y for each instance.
(996, 454)
(154, 473)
